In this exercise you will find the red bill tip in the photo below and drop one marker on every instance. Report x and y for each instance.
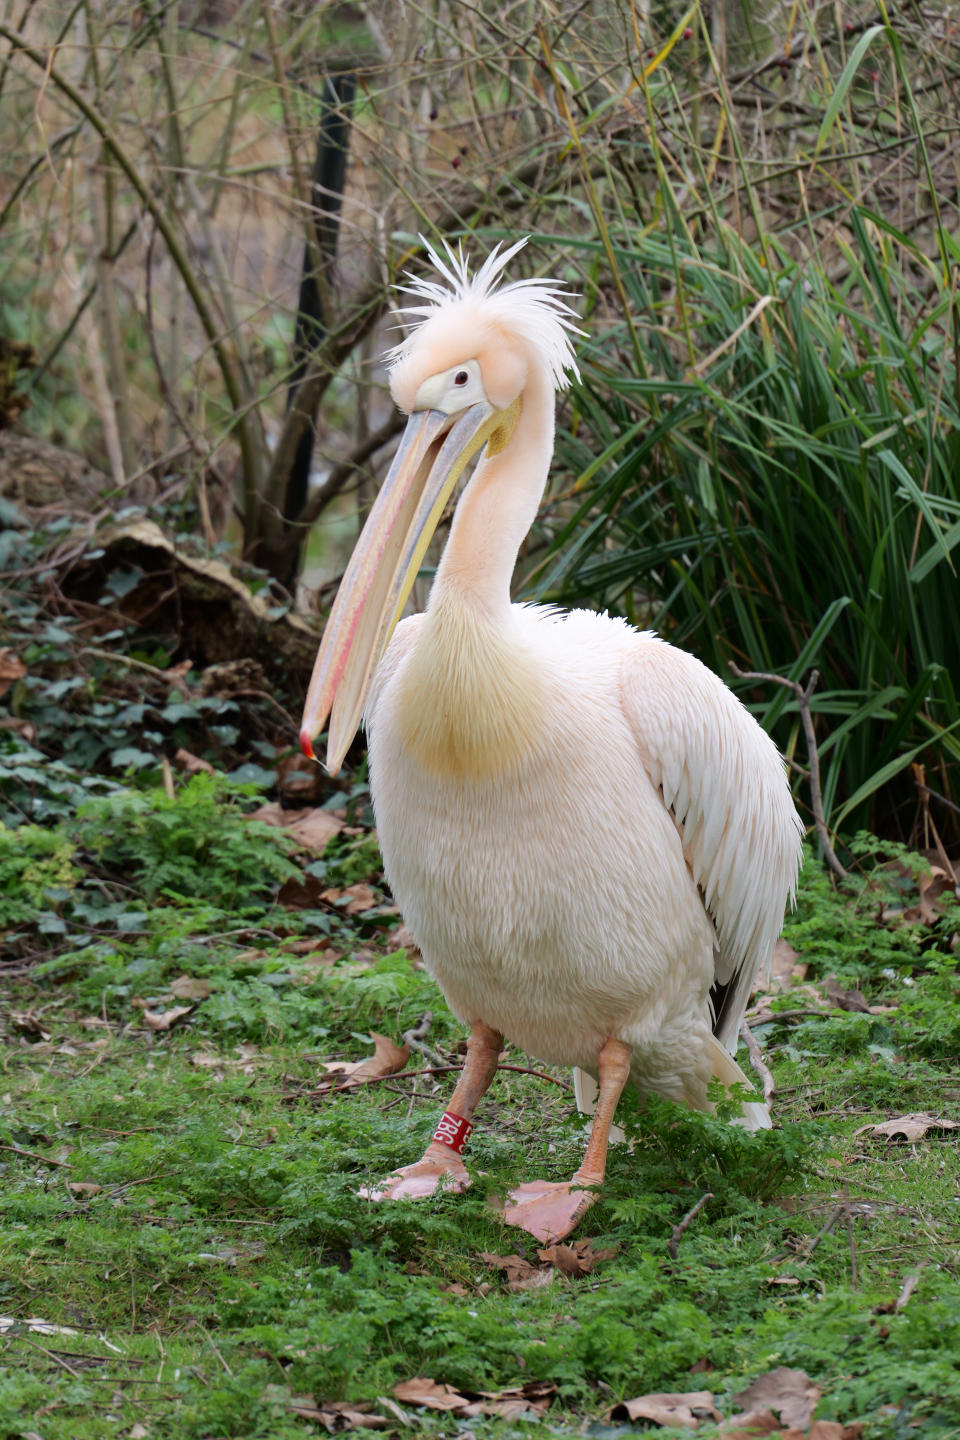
(306, 744)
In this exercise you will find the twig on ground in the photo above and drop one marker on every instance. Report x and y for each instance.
(32, 1155)
(825, 1229)
(674, 1242)
(414, 1038)
(816, 796)
(909, 1285)
(757, 1061)
(853, 1249)
(443, 1070)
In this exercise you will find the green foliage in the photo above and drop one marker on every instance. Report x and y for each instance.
(931, 1011)
(767, 509)
(195, 843)
(836, 926)
(37, 873)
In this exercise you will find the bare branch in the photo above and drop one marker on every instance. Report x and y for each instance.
(816, 797)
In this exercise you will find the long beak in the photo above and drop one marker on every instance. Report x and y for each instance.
(432, 455)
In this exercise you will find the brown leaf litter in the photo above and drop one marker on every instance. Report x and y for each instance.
(686, 1408)
(572, 1261)
(506, 1404)
(779, 1404)
(910, 1127)
(388, 1058)
(311, 829)
(12, 669)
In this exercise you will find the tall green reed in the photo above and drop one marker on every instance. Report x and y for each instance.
(789, 501)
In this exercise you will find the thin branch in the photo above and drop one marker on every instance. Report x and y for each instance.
(252, 453)
(757, 1060)
(442, 1070)
(816, 796)
(33, 1155)
(673, 1243)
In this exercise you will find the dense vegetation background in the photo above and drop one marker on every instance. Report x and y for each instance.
(203, 211)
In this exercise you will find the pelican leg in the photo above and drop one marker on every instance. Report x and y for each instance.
(441, 1163)
(550, 1211)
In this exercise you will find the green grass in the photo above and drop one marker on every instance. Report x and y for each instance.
(226, 1264)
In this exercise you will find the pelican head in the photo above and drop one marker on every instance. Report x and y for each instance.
(460, 376)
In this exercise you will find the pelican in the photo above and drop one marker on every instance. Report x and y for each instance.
(590, 837)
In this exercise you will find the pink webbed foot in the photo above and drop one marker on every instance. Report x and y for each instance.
(413, 1182)
(547, 1210)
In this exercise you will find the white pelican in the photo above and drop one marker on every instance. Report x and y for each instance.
(590, 837)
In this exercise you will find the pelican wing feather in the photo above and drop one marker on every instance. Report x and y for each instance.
(724, 781)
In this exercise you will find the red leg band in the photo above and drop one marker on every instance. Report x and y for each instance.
(453, 1130)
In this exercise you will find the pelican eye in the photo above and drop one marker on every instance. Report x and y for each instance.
(461, 377)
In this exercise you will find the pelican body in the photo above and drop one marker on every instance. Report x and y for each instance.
(591, 839)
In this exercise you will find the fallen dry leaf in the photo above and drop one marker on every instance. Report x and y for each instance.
(312, 828)
(12, 669)
(506, 1404)
(165, 1019)
(362, 897)
(83, 1188)
(510, 1404)
(515, 1267)
(674, 1408)
(911, 1127)
(30, 1023)
(421, 1391)
(786, 967)
(753, 1425)
(300, 782)
(387, 1059)
(188, 987)
(301, 894)
(192, 764)
(403, 939)
(575, 1259)
(791, 1394)
(852, 1000)
(336, 1415)
(25, 728)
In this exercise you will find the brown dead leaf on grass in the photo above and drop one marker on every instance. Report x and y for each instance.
(12, 669)
(165, 1019)
(30, 1023)
(402, 939)
(687, 1408)
(571, 1261)
(786, 967)
(577, 1258)
(510, 1404)
(312, 829)
(425, 1392)
(851, 1000)
(83, 1189)
(790, 1394)
(358, 897)
(506, 1404)
(910, 1127)
(515, 1267)
(188, 987)
(387, 1059)
(757, 1425)
(336, 1415)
